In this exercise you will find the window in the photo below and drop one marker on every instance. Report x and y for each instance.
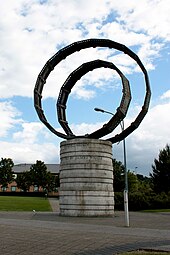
(4, 188)
(13, 188)
(35, 188)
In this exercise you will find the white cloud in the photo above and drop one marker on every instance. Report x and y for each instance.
(144, 143)
(30, 132)
(9, 117)
(35, 142)
(153, 134)
(85, 128)
(85, 94)
(32, 142)
(28, 153)
(31, 33)
(166, 95)
(149, 16)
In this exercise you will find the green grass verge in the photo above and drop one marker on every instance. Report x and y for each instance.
(143, 252)
(13, 203)
(157, 210)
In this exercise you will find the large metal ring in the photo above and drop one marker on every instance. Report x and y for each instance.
(77, 74)
(70, 82)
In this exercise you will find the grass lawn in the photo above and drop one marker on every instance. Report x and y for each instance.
(157, 210)
(143, 252)
(12, 203)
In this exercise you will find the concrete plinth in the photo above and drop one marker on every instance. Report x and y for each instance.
(86, 178)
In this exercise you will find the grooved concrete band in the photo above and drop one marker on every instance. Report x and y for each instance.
(86, 178)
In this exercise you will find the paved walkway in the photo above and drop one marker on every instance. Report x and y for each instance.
(48, 233)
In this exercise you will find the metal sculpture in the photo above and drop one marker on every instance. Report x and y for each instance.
(76, 75)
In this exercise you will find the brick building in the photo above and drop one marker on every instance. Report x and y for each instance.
(20, 168)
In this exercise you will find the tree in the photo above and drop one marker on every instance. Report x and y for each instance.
(39, 175)
(6, 173)
(54, 183)
(119, 178)
(133, 182)
(144, 184)
(23, 181)
(161, 171)
(118, 171)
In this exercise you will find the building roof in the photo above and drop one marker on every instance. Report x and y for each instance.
(19, 168)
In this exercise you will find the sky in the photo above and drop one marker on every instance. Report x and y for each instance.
(32, 31)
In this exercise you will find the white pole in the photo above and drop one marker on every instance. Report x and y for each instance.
(126, 207)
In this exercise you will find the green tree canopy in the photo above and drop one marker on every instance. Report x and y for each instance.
(118, 171)
(6, 173)
(161, 171)
(133, 182)
(119, 178)
(23, 181)
(39, 175)
(53, 182)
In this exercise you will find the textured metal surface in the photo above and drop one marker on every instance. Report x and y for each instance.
(70, 82)
(76, 75)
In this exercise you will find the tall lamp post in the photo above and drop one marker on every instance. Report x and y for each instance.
(125, 166)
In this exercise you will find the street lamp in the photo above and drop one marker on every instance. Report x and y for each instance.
(125, 166)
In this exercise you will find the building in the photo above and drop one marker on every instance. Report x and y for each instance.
(20, 168)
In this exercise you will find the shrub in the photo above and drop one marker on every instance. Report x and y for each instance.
(119, 204)
(143, 201)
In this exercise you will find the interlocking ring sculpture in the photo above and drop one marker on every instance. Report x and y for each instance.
(76, 75)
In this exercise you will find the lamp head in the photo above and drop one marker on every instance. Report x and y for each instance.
(98, 110)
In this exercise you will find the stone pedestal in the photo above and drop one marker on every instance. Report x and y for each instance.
(86, 178)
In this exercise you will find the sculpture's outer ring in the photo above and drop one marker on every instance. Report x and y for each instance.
(70, 49)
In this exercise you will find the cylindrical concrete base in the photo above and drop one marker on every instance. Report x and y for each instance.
(86, 178)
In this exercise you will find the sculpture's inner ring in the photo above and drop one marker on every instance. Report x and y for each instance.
(76, 75)
(70, 82)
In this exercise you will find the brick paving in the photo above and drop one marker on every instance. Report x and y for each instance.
(47, 233)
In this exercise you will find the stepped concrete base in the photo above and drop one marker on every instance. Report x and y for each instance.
(86, 178)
